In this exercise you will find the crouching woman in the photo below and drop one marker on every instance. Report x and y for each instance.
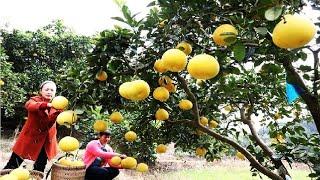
(96, 157)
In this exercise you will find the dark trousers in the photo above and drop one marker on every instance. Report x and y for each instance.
(95, 172)
(40, 164)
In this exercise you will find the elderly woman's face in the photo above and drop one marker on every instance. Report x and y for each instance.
(48, 90)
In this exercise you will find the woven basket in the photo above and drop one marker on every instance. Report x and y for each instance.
(33, 173)
(59, 172)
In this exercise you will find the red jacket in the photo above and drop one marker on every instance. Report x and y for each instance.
(38, 131)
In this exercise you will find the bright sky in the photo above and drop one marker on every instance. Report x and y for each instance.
(83, 16)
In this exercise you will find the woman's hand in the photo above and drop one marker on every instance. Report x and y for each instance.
(49, 105)
(122, 156)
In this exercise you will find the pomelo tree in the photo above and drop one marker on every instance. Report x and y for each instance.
(30, 57)
(40, 54)
(10, 83)
(246, 92)
(248, 89)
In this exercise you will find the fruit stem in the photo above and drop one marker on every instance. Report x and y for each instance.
(284, 20)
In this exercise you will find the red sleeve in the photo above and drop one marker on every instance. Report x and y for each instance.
(33, 105)
(53, 113)
(43, 106)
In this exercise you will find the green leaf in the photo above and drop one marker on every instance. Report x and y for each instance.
(306, 77)
(233, 70)
(258, 62)
(239, 51)
(305, 68)
(119, 19)
(271, 68)
(273, 13)
(261, 30)
(79, 111)
(303, 55)
(313, 175)
(229, 38)
(153, 3)
(127, 14)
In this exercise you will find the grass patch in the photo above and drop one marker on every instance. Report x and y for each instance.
(225, 173)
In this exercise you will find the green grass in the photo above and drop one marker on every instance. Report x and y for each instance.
(225, 173)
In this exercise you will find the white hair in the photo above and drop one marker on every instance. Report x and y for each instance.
(46, 82)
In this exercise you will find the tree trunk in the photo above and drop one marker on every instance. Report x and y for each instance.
(310, 100)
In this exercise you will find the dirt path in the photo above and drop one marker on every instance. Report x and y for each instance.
(167, 162)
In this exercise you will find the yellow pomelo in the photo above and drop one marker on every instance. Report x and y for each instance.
(101, 76)
(162, 114)
(167, 82)
(161, 148)
(65, 161)
(129, 163)
(67, 118)
(161, 94)
(100, 125)
(213, 124)
(142, 90)
(77, 163)
(163, 23)
(185, 47)
(201, 151)
(116, 117)
(204, 121)
(225, 34)
(68, 144)
(135, 90)
(239, 155)
(130, 136)
(203, 66)
(21, 173)
(1, 82)
(185, 104)
(293, 31)
(200, 82)
(115, 161)
(142, 167)
(174, 60)
(280, 138)
(171, 87)
(9, 177)
(124, 88)
(228, 108)
(159, 66)
(59, 102)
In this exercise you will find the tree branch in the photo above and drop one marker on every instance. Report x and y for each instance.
(316, 70)
(182, 121)
(310, 100)
(247, 154)
(191, 97)
(277, 162)
(227, 126)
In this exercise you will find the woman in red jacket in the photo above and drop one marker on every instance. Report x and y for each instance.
(37, 140)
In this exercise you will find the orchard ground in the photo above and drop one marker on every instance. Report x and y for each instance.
(179, 167)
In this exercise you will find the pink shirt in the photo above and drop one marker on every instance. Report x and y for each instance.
(93, 150)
